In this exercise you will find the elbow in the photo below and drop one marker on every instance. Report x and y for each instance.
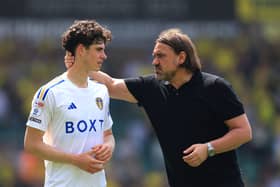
(29, 147)
(33, 142)
(248, 132)
(248, 136)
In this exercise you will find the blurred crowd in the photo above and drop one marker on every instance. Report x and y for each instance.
(250, 61)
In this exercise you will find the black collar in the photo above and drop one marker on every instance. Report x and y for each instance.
(195, 80)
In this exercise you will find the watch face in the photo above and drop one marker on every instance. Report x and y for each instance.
(211, 150)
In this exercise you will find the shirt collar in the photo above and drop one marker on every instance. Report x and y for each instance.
(195, 80)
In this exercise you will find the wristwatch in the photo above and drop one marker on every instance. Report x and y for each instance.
(210, 149)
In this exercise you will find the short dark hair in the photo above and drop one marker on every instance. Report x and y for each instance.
(85, 32)
(179, 42)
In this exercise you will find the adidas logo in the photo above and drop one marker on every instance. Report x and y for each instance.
(72, 106)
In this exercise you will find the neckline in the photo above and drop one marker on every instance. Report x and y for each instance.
(194, 79)
(73, 84)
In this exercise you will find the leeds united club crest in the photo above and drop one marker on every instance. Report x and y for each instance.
(99, 103)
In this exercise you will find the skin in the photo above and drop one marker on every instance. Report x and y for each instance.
(166, 67)
(87, 59)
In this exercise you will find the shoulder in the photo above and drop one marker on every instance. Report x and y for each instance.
(150, 77)
(141, 84)
(209, 79)
(217, 86)
(97, 85)
(48, 87)
(142, 87)
(214, 81)
(144, 80)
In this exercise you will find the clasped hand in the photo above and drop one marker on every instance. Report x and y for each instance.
(195, 155)
(94, 160)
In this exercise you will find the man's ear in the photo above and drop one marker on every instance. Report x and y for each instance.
(80, 49)
(182, 57)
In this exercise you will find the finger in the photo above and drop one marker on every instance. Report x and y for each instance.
(103, 151)
(93, 158)
(194, 162)
(189, 156)
(96, 148)
(99, 150)
(91, 152)
(68, 53)
(105, 158)
(97, 161)
(95, 169)
(197, 161)
(97, 166)
(189, 150)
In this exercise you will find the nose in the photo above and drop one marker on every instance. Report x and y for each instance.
(104, 56)
(155, 61)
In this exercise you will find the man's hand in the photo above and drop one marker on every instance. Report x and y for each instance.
(69, 60)
(87, 162)
(103, 152)
(195, 154)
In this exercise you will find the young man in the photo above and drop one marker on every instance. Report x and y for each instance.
(70, 125)
(197, 117)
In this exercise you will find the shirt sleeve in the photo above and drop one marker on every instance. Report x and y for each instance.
(108, 123)
(227, 103)
(141, 88)
(40, 113)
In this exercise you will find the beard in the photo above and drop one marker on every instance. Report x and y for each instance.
(166, 76)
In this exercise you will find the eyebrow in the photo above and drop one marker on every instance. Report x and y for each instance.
(100, 45)
(158, 53)
(100, 48)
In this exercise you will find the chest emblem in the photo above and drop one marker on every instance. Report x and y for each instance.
(99, 102)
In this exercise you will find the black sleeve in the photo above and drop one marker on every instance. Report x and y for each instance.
(139, 87)
(227, 103)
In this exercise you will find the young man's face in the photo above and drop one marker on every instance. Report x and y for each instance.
(165, 61)
(95, 56)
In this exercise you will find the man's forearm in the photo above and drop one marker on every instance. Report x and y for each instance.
(239, 133)
(110, 140)
(232, 140)
(47, 152)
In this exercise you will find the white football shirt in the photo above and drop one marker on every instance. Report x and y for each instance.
(74, 120)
